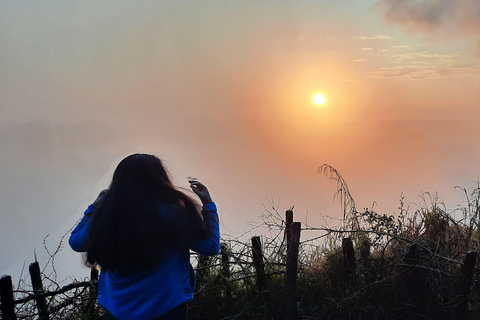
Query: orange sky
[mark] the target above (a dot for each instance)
(222, 91)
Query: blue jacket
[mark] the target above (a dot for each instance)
(151, 293)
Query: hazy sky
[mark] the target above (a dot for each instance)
(221, 90)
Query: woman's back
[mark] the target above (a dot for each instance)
(140, 235)
(157, 290)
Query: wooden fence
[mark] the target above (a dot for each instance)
(292, 236)
(40, 295)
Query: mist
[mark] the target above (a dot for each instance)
(221, 91)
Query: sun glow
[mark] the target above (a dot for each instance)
(319, 99)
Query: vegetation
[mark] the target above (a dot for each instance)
(407, 266)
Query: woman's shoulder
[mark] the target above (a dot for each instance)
(170, 211)
(168, 208)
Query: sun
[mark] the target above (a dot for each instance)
(319, 99)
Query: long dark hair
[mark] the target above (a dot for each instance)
(128, 231)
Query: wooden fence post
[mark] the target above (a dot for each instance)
(288, 223)
(413, 280)
(226, 276)
(257, 255)
(464, 285)
(201, 270)
(6, 297)
(291, 272)
(349, 263)
(93, 292)
(36, 277)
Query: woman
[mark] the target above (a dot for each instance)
(139, 233)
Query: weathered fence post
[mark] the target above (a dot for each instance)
(349, 263)
(291, 272)
(201, 270)
(226, 276)
(6, 297)
(257, 255)
(464, 285)
(288, 223)
(93, 292)
(413, 281)
(36, 277)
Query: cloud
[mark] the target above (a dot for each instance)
(424, 65)
(377, 37)
(437, 18)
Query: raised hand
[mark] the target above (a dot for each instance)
(201, 191)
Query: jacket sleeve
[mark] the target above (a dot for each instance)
(211, 245)
(80, 233)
